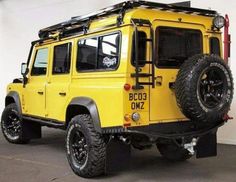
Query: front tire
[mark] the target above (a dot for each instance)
(86, 149)
(12, 126)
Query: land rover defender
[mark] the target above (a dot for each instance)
(140, 72)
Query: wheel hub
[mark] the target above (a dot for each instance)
(79, 148)
(12, 125)
(212, 87)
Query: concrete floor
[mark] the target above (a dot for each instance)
(45, 160)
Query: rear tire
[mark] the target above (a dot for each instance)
(11, 125)
(86, 148)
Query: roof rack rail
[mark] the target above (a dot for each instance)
(81, 23)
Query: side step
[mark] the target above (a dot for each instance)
(45, 122)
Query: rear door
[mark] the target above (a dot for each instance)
(57, 88)
(174, 43)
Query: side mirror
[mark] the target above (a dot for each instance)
(24, 72)
(23, 69)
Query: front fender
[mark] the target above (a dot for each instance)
(13, 97)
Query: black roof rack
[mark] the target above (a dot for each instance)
(81, 23)
(183, 4)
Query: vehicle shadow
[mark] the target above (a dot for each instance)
(52, 138)
(141, 165)
(138, 162)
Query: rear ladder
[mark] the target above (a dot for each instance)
(138, 68)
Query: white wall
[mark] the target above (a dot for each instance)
(21, 20)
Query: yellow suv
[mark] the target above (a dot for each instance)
(139, 72)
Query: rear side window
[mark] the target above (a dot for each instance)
(175, 45)
(62, 59)
(108, 54)
(214, 46)
(98, 53)
(142, 47)
(40, 62)
(87, 54)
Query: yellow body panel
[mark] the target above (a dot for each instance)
(34, 97)
(106, 88)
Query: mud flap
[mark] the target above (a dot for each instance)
(31, 130)
(207, 145)
(118, 156)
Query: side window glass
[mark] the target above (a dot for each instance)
(87, 54)
(62, 59)
(40, 62)
(108, 56)
(214, 46)
(142, 47)
(98, 53)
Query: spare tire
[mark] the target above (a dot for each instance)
(204, 88)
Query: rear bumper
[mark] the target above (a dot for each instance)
(168, 130)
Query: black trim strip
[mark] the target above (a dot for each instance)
(45, 122)
(113, 130)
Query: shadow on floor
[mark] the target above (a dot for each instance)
(45, 160)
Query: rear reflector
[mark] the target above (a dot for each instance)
(127, 87)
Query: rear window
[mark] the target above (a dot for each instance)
(175, 45)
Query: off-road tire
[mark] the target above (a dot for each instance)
(10, 110)
(189, 98)
(173, 152)
(94, 164)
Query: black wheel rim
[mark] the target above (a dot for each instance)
(212, 87)
(12, 125)
(79, 148)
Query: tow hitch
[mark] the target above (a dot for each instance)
(190, 146)
(204, 146)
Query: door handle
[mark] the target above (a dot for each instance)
(62, 93)
(159, 81)
(40, 92)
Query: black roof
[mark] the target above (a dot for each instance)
(82, 22)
